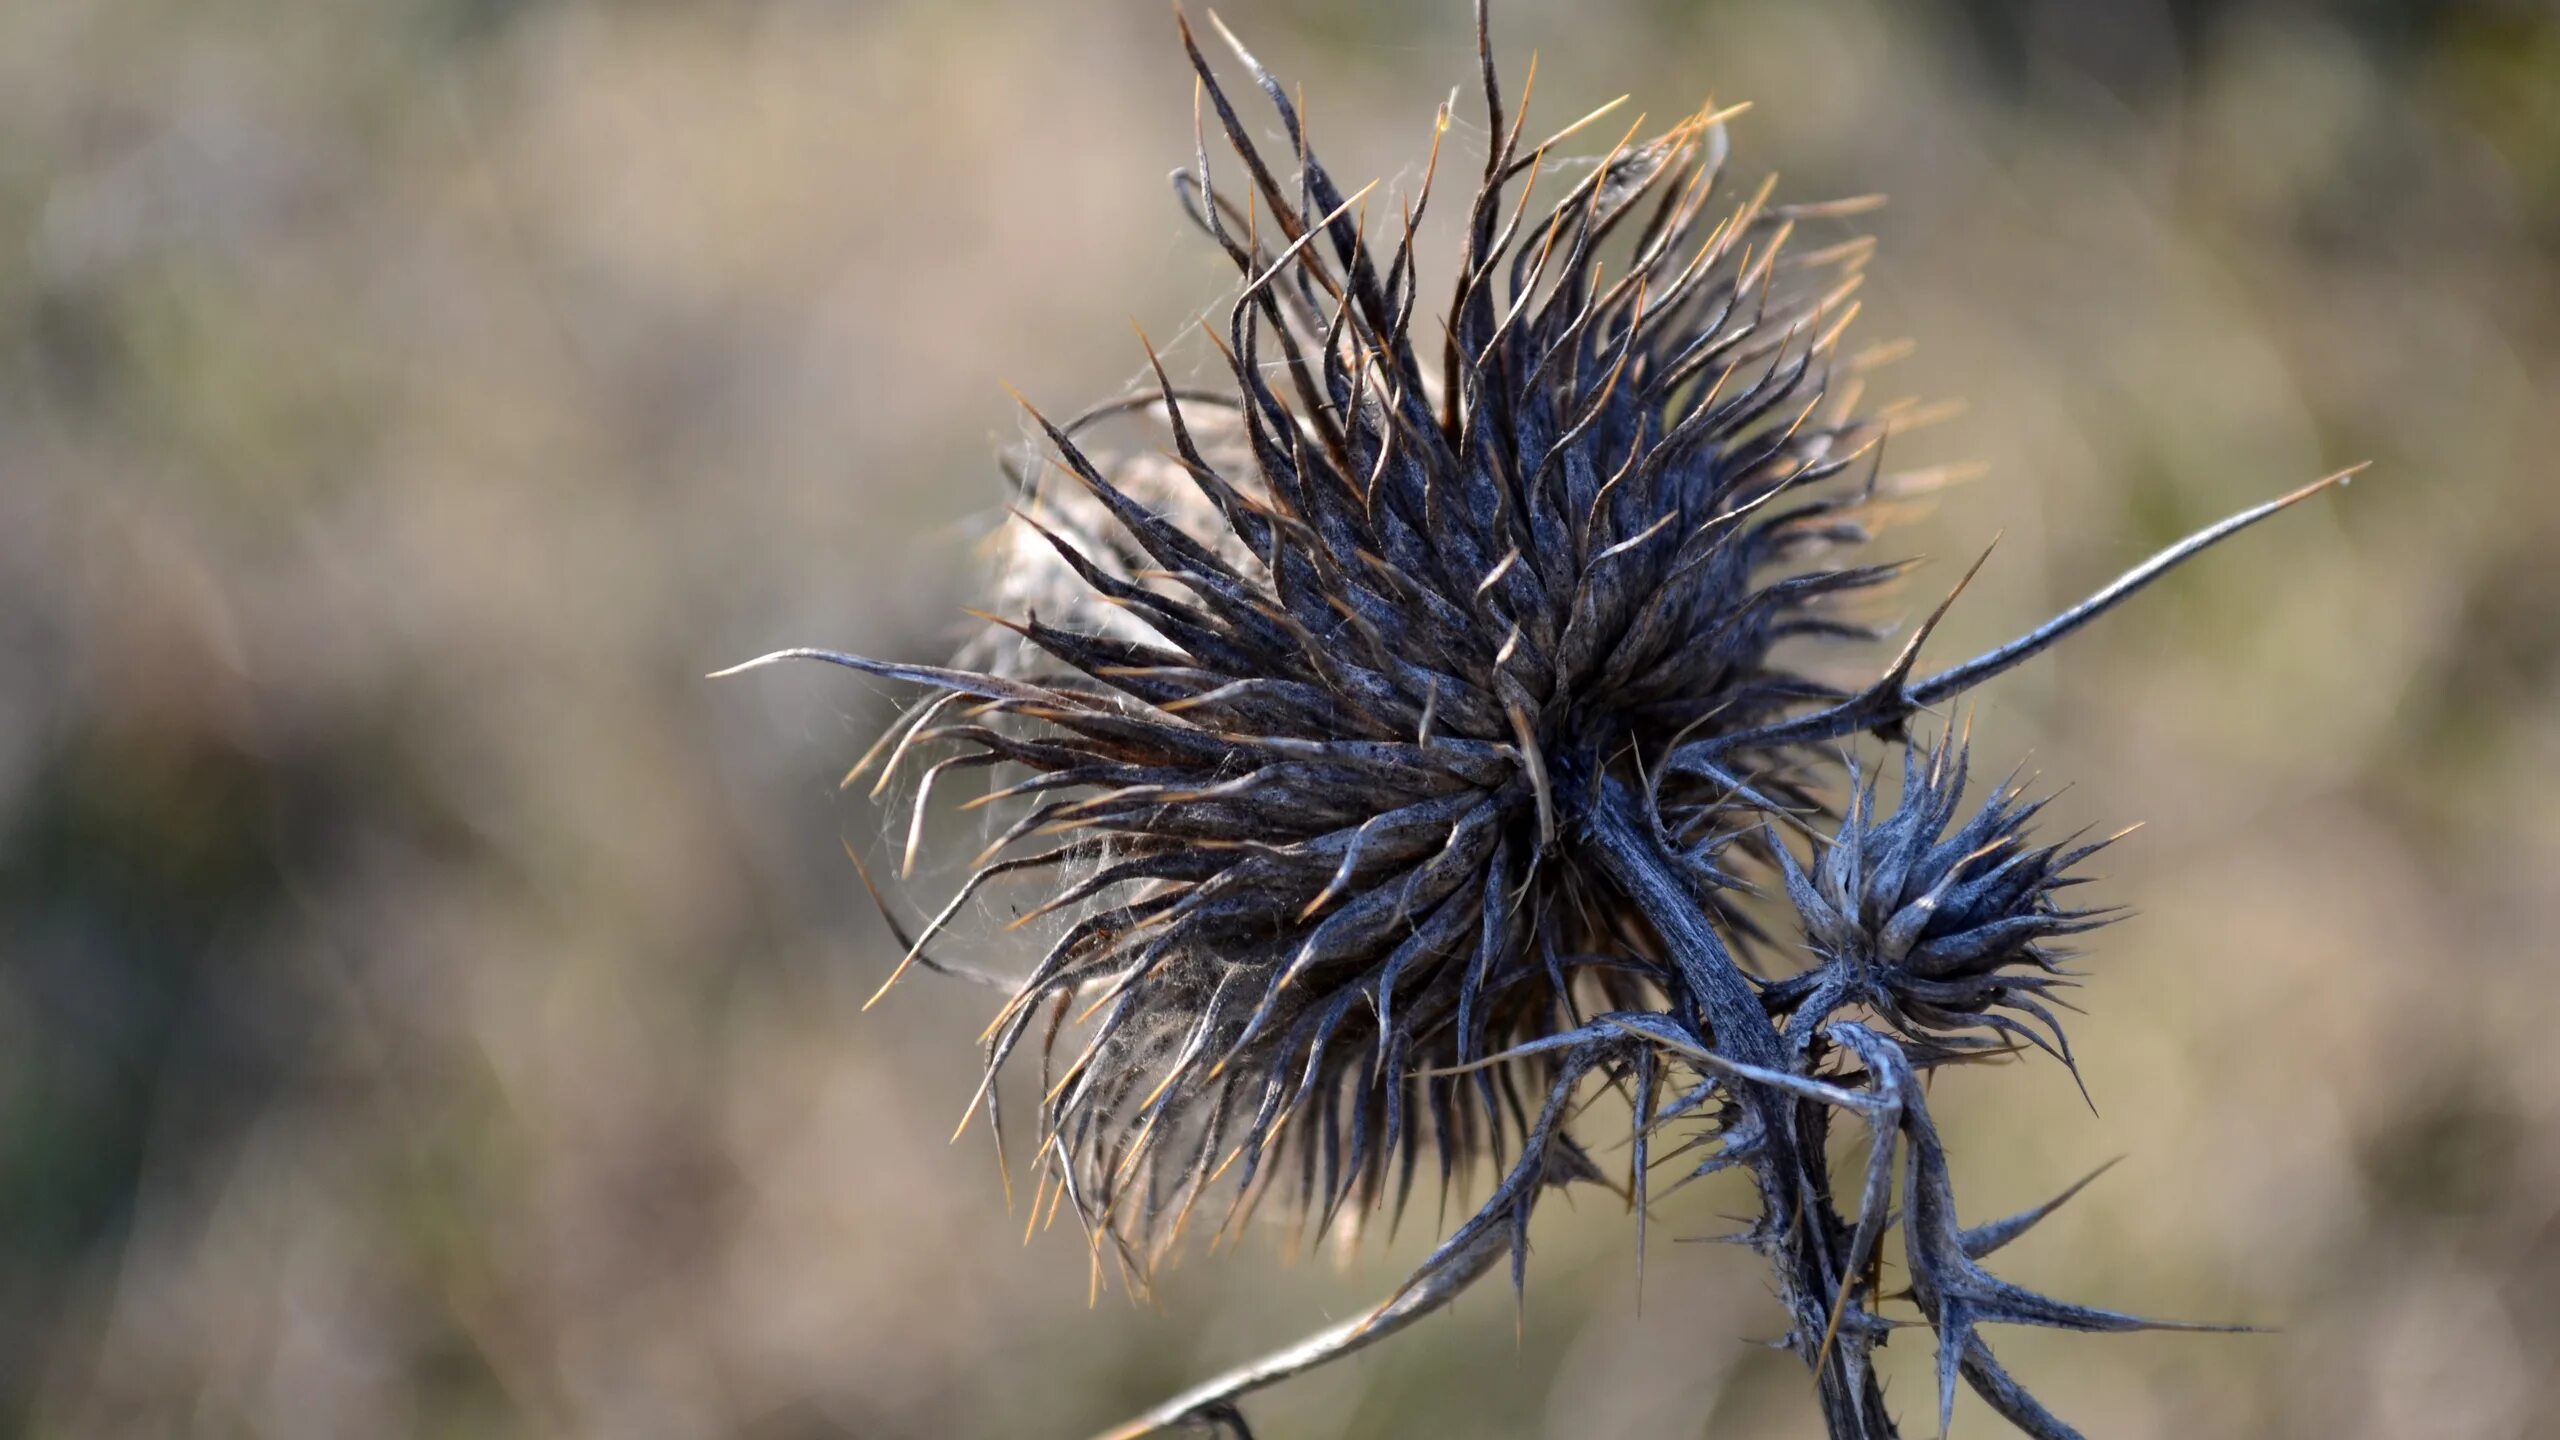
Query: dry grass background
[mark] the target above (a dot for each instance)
(427, 1008)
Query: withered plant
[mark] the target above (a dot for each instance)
(1404, 752)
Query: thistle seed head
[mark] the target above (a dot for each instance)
(1942, 929)
(1316, 692)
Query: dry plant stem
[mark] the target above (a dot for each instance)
(1799, 1225)
(1213, 1401)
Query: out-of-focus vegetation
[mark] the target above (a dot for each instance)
(427, 1007)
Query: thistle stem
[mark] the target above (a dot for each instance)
(1801, 1233)
(1438, 1283)
(1631, 852)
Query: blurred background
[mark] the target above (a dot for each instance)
(428, 1007)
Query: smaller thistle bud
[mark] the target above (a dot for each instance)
(1940, 930)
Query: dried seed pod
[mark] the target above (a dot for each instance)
(1940, 929)
(1308, 734)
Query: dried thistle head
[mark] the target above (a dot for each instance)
(1388, 744)
(1327, 689)
(1938, 929)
